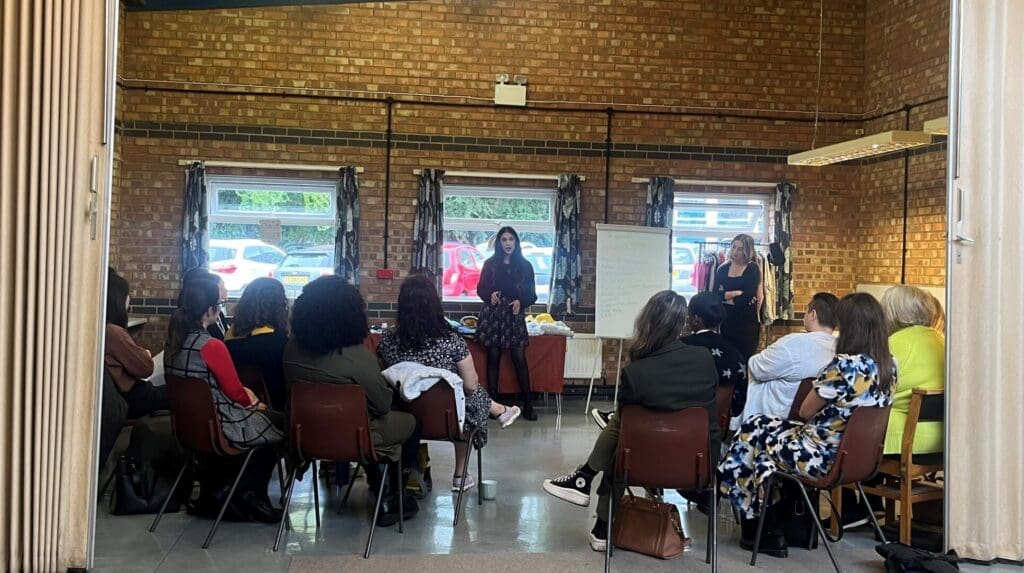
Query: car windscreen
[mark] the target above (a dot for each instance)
(325, 260)
(221, 254)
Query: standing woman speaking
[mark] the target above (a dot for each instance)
(739, 283)
(506, 286)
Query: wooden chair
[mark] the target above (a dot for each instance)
(911, 471)
(857, 459)
(197, 427)
(330, 422)
(435, 410)
(670, 450)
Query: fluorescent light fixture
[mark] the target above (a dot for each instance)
(937, 126)
(877, 144)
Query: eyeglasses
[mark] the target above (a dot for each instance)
(221, 304)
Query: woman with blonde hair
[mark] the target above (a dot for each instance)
(739, 283)
(663, 374)
(913, 317)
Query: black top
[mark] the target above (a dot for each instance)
(747, 282)
(732, 370)
(674, 377)
(264, 351)
(514, 281)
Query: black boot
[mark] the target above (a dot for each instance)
(771, 543)
(528, 412)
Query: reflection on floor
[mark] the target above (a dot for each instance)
(523, 520)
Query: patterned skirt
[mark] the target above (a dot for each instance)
(478, 407)
(499, 327)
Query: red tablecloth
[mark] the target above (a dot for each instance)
(545, 356)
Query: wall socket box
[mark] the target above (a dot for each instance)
(386, 274)
(505, 94)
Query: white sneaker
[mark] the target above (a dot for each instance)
(509, 415)
(601, 417)
(597, 544)
(457, 483)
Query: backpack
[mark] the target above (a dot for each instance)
(901, 558)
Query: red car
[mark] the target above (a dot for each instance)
(462, 265)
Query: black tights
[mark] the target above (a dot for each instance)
(522, 371)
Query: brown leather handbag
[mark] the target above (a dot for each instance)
(650, 527)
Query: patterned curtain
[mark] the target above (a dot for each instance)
(346, 238)
(566, 275)
(782, 203)
(194, 222)
(428, 228)
(660, 201)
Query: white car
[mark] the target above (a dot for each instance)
(239, 261)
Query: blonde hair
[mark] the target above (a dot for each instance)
(661, 321)
(907, 306)
(938, 314)
(747, 245)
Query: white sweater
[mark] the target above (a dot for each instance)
(775, 373)
(412, 379)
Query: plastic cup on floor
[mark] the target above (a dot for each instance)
(489, 488)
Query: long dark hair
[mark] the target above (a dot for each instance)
(661, 321)
(329, 315)
(117, 298)
(516, 259)
(263, 303)
(420, 317)
(195, 300)
(863, 330)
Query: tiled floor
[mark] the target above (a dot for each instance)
(522, 520)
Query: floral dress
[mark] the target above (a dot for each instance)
(767, 443)
(445, 352)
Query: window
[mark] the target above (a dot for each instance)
(473, 214)
(708, 221)
(255, 222)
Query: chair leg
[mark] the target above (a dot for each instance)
(107, 482)
(821, 530)
(713, 521)
(170, 494)
(906, 513)
(608, 527)
(760, 518)
(351, 481)
(871, 513)
(400, 488)
(231, 494)
(282, 469)
(316, 494)
(479, 477)
(462, 485)
(287, 504)
(376, 512)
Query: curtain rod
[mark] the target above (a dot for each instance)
(713, 183)
(279, 166)
(496, 175)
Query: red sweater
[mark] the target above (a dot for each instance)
(218, 360)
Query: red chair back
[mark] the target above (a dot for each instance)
(860, 450)
(664, 449)
(723, 406)
(330, 422)
(194, 418)
(435, 410)
(806, 385)
(252, 378)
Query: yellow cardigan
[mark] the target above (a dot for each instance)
(920, 363)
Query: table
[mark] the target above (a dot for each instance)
(135, 321)
(545, 357)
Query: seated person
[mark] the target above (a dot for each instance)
(862, 374)
(191, 352)
(920, 352)
(424, 336)
(128, 363)
(663, 374)
(328, 329)
(776, 372)
(219, 327)
(259, 332)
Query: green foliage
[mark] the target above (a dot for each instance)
(497, 208)
(274, 201)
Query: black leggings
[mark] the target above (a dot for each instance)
(522, 370)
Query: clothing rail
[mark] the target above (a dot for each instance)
(497, 175)
(712, 182)
(277, 166)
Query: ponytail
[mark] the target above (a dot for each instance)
(196, 299)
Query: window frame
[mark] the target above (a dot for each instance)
(217, 183)
(724, 235)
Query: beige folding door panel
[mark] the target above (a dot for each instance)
(985, 490)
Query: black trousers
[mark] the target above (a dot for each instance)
(144, 398)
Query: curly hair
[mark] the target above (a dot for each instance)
(420, 318)
(329, 315)
(262, 304)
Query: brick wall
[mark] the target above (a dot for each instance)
(728, 55)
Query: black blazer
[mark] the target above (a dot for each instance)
(674, 377)
(265, 351)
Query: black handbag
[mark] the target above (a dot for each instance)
(139, 489)
(901, 558)
(794, 518)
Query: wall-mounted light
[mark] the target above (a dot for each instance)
(877, 144)
(508, 94)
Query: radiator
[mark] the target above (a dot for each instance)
(583, 356)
